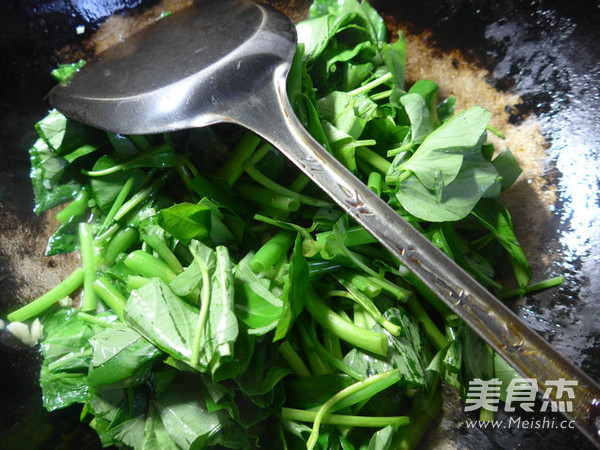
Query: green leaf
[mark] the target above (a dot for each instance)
(313, 391)
(121, 358)
(477, 356)
(50, 185)
(64, 135)
(67, 354)
(160, 316)
(64, 240)
(124, 147)
(419, 115)
(508, 168)
(453, 201)
(382, 439)
(105, 189)
(338, 109)
(441, 153)
(222, 327)
(497, 220)
(406, 352)
(186, 221)
(445, 109)
(256, 304)
(183, 412)
(394, 56)
(64, 72)
(295, 292)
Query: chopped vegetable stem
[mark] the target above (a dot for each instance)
(234, 167)
(75, 209)
(368, 340)
(41, 304)
(271, 251)
(110, 295)
(267, 197)
(373, 159)
(302, 415)
(277, 188)
(293, 359)
(203, 316)
(120, 243)
(86, 242)
(535, 287)
(123, 193)
(372, 84)
(149, 266)
(164, 252)
(343, 394)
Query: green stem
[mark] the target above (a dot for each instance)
(302, 415)
(186, 175)
(546, 284)
(293, 359)
(407, 146)
(68, 357)
(110, 295)
(123, 193)
(142, 195)
(148, 266)
(382, 95)
(203, 316)
(271, 251)
(259, 154)
(326, 356)
(120, 243)
(495, 131)
(352, 237)
(362, 283)
(299, 183)
(159, 246)
(41, 304)
(234, 167)
(359, 317)
(88, 262)
(391, 288)
(317, 364)
(343, 394)
(136, 282)
(367, 304)
(399, 178)
(266, 182)
(267, 197)
(375, 183)
(332, 344)
(106, 234)
(88, 318)
(372, 84)
(365, 339)
(75, 209)
(373, 159)
(118, 167)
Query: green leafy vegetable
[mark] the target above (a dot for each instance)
(228, 303)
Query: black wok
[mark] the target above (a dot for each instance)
(541, 57)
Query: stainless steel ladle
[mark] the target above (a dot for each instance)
(227, 61)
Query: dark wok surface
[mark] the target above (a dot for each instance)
(545, 51)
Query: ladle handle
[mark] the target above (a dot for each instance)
(522, 348)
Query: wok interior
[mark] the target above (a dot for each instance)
(542, 52)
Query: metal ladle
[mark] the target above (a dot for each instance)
(227, 61)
